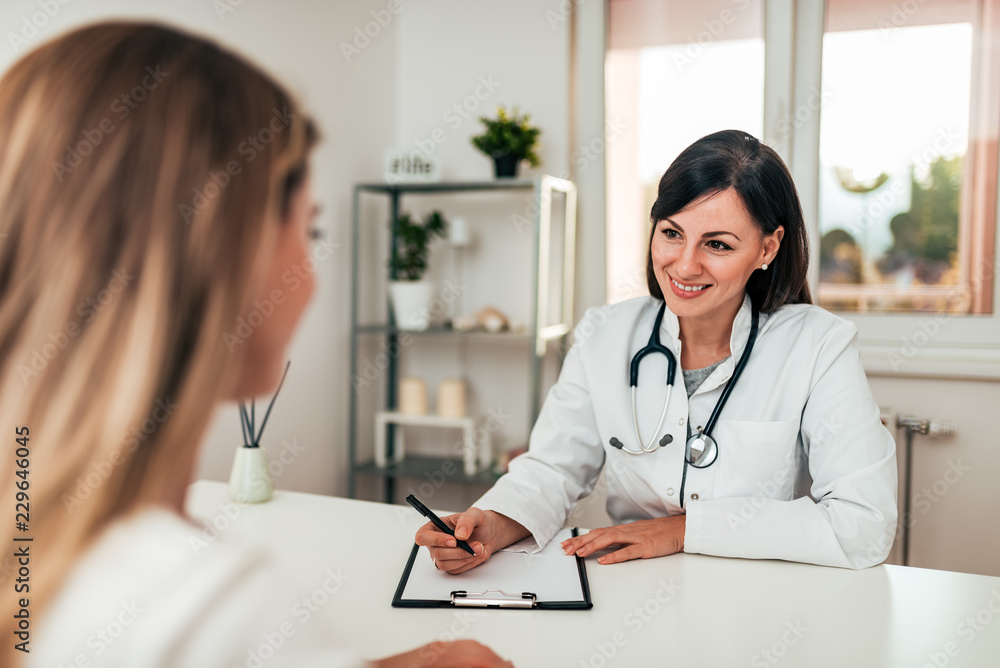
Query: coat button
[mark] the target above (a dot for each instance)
(681, 422)
(670, 491)
(694, 497)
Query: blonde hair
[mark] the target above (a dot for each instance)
(141, 169)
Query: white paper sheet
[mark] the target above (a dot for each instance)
(548, 573)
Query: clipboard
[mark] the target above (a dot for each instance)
(546, 580)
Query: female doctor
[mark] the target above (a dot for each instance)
(731, 416)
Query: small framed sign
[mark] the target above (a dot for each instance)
(409, 166)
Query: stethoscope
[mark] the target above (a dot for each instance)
(701, 449)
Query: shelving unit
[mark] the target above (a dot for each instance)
(539, 333)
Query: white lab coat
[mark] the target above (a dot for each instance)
(806, 471)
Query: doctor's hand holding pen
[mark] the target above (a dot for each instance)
(486, 532)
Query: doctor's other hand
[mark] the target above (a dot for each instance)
(643, 539)
(485, 531)
(456, 654)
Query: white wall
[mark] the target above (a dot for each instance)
(355, 104)
(396, 91)
(955, 501)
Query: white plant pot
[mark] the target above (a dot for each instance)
(411, 304)
(250, 480)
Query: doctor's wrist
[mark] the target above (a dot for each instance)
(505, 530)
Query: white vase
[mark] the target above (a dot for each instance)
(411, 304)
(250, 480)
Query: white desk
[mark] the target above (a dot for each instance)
(723, 612)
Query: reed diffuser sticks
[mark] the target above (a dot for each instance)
(248, 418)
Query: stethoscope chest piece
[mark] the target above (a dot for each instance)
(701, 450)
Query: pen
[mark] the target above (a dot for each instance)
(429, 514)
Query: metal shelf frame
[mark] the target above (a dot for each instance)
(540, 332)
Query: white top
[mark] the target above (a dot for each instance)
(156, 590)
(802, 408)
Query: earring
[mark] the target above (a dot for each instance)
(764, 266)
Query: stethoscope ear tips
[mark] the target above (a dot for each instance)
(666, 440)
(615, 443)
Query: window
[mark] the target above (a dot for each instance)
(675, 71)
(905, 220)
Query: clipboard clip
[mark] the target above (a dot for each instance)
(492, 598)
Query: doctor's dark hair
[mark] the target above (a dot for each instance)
(735, 159)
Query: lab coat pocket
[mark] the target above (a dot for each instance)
(756, 459)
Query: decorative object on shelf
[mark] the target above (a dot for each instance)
(409, 166)
(477, 451)
(250, 480)
(451, 398)
(492, 320)
(488, 318)
(413, 396)
(459, 239)
(411, 296)
(458, 233)
(464, 323)
(509, 139)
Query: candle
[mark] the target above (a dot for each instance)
(451, 398)
(458, 233)
(413, 396)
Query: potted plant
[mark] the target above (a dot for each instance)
(508, 139)
(411, 295)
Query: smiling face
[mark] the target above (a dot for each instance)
(703, 255)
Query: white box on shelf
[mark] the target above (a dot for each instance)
(474, 459)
